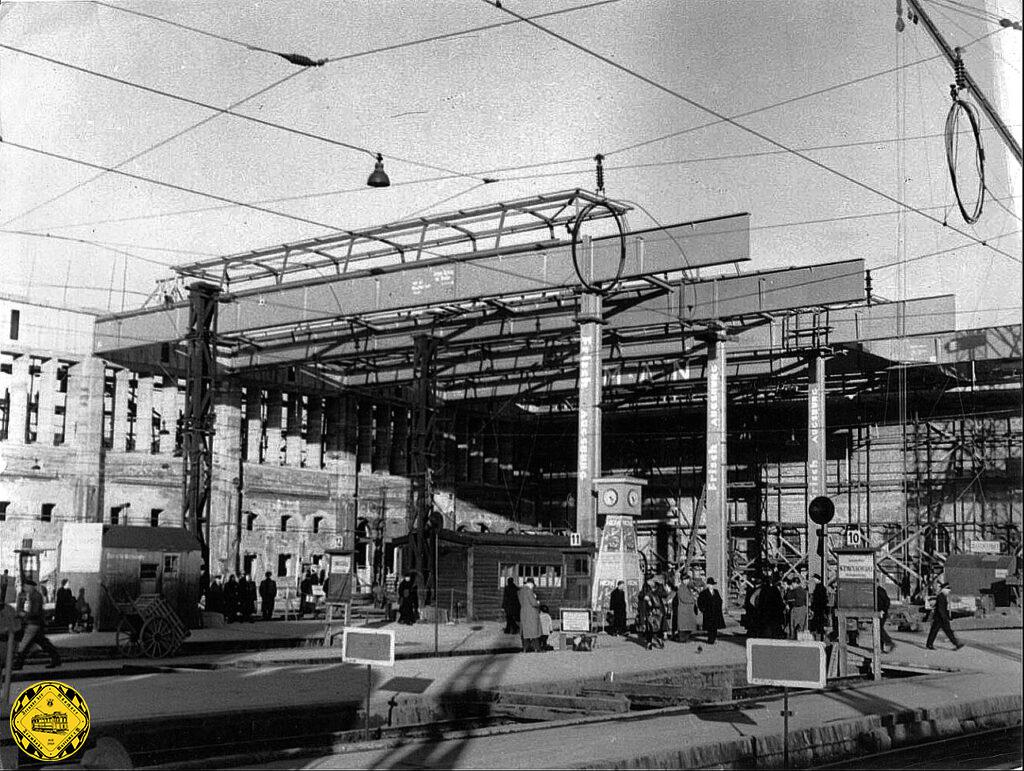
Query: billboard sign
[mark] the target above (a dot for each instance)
(790, 663)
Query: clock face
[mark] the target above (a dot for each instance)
(610, 497)
(633, 498)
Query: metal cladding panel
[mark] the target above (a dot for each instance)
(826, 284)
(953, 347)
(152, 326)
(891, 319)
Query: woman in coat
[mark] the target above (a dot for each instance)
(686, 615)
(510, 604)
(231, 599)
(408, 601)
(64, 612)
(529, 616)
(650, 614)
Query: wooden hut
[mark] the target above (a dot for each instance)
(474, 568)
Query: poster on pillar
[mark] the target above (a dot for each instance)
(618, 503)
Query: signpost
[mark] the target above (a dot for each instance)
(339, 587)
(856, 597)
(373, 647)
(786, 663)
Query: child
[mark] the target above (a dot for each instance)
(545, 628)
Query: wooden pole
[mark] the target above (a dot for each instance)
(369, 685)
(785, 726)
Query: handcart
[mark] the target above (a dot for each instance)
(147, 626)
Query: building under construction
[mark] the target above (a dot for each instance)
(484, 366)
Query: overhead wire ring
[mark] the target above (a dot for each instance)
(596, 287)
(952, 119)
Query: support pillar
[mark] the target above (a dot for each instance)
(816, 459)
(21, 384)
(382, 439)
(227, 483)
(716, 477)
(253, 425)
(47, 401)
(168, 415)
(293, 433)
(475, 471)
(144, 415)
(400, 441)
(461, 448)
(120, 417)
(364, 441)
(84, 427)
(490, 444)
(588, 435)
(275, 434)
(314, 432)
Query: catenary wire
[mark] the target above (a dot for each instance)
(754, 132)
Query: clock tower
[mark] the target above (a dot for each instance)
(618, 504)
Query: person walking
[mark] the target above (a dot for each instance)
(709, 603)
(650, 614)
(882, 605)
(796, 605)
(83, 613)
(268, 594)
(408, 601)
(617, 606)
(5, 581)
(244, 610)
(529, 616)
(30, 608)
(306, 592)
(64, 612)
(940, 619)
(686, 611)
(510, 604)
(819, 620)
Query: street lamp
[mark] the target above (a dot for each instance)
(378, 178)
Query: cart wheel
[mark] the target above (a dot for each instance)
(158, 638)
(126, 639)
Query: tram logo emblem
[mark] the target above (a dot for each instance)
(50, 721)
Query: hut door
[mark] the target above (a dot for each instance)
(149, 577)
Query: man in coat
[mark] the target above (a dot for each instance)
(882, 604)
(408, 601)
(510, 604)
(268, 594)
(529, 616)
(940, 620)
(796, 604)
(686, 616)
(709, 603)
(30, 608)
(617, 606)
(819, 621)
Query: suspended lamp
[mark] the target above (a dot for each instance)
(378, 178)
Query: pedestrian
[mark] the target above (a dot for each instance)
(545, 629)
(215, 596)
(771, 610)
(650, 614)
(408, 601)
(686, 615)
(83, 613)
(30, 608)
(709, 603)
(796, 608)
(510, 604)
(882, 605)
(667, 595)
(306, 594)
(529, 616)
(231, 599)
(64, 610)
(5, 581)
(819, 608)
(751, 618)
(940, 619)
(268, 594)
(247, 598)
(617, 606)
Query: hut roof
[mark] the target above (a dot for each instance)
(173, 539)
(470, 538)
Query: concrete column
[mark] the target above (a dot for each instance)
(84, 422)
(254, 425)
(475, 471)
(144, 415)
(168, 414)
(275, 436)
(382, 438)
(47, 401)
(21, 383)
(715, 480)
(337, 454)
(588, 428)
(400, 441)
(293, 434)
(226, 480)
(364, 435)
(816, 459)
(314, 432)
(120, 416)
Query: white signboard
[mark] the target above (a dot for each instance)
(375, 647)
(791, 663)
(81, 547)
(856, 567)
(985, 547)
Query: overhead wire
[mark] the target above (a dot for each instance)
(754, 132)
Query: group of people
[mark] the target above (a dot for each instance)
(235, 599)
(70, 612)
(526, 616)
(787, 607)
(667, 607)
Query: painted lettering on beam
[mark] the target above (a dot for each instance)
(714, 425)
(586, 384)
(815, 434)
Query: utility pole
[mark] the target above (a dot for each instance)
(952, 55)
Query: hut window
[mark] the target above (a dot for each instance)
(545, 576)
(581, 566)
(316, 524)
(284, 523)
(3, 510)
(170, 563)
(147, 571)
(46, 512)
(154, 517)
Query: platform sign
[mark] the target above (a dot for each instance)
(787, 663)
(339, 585)
(985, 547)
(575, 620)
(373, 647)
(856, 580)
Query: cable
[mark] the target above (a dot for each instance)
(952, 118)
(751, 131)
(185, 27)
(97, 244)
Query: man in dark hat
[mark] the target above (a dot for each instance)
(940, 619)
(709, 604)
(30, 608)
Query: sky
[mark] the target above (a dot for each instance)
(484, 104)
